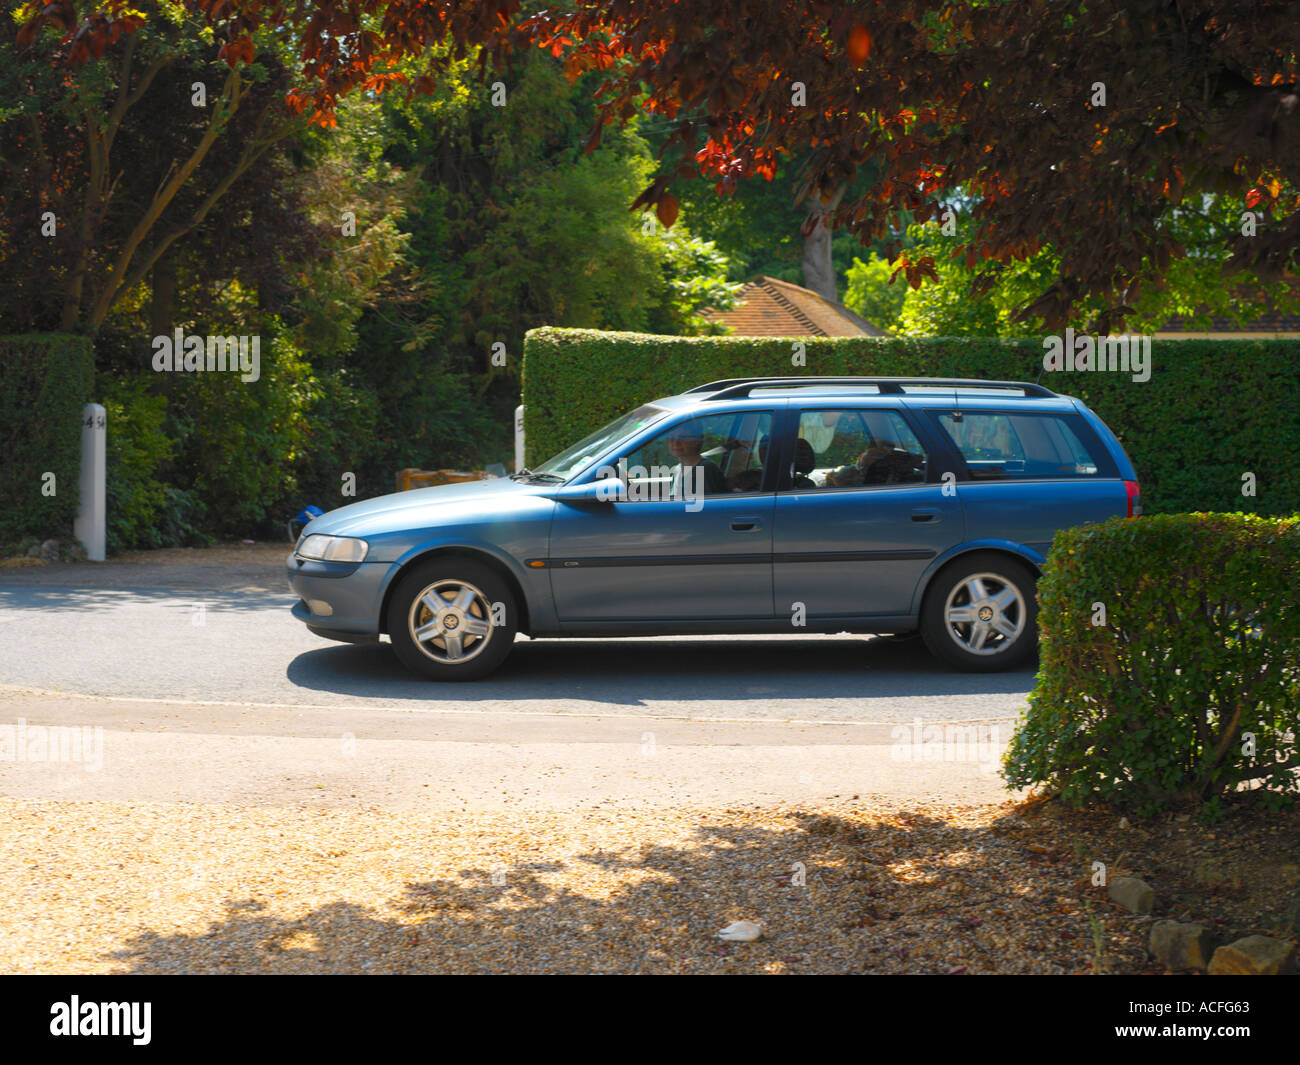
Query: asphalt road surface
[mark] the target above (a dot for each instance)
(206, 687)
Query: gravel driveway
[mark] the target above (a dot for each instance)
(848, 887)
(270, 802)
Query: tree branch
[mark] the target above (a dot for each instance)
(232, 93)
(127, 101)
(254, 148)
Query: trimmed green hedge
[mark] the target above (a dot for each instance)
(1164, 642)
(1211, 412)
(44, 382)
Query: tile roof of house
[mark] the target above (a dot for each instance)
(771, 308)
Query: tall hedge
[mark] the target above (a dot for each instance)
(44, 382)
(1211, 412)
(1170, 663)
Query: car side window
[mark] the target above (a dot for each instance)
(999, 446)
(856, 448)
(714, 454)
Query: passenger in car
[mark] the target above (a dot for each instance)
(751, 480)
(848, 476)
(887, 463)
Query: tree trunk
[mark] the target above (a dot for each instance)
(818, 268)
(163, 299)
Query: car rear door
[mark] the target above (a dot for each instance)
(852, 550)
(1026, 473)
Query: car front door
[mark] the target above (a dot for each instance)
(683, 541)
(861, 517)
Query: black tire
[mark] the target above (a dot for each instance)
(472, 639)
(1009, 606)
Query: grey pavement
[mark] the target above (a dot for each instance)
(205, 688)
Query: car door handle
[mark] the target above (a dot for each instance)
(744, 524)
(925, 514)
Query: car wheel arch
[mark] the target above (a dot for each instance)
(457, 551)
(1012, 551)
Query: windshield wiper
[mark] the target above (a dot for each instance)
(528, 475)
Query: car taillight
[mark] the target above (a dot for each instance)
(1134, 491)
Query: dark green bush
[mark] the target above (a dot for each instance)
(340, 436)
(137, 449)
(239, 443)
(1150, 705)
(44, 382)
(1211, 412)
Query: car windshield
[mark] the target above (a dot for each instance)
(572, 459)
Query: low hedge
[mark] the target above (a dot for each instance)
(44, 382)
(1164, 642)
(138, 448)
(1211, 412)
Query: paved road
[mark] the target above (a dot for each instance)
(207, 688)
(244, 647)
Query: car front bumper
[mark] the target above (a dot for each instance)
(339, 600)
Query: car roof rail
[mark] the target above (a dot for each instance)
(739, 387)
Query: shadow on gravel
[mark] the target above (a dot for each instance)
(656, 908)
(942, 891)
(679, 669)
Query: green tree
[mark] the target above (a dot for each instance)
(987, 299)
(875, 293)
(128, 153)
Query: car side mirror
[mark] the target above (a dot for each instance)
(603, 491)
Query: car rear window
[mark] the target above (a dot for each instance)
(1003, 446)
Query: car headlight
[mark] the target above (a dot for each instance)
(333, 548)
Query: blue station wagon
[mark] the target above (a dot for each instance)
(756, 505)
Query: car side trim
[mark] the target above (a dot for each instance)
(727, 560)
(862, 623)
(851, 556)
(648, 560)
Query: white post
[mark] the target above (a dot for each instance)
(92, 517)
(519, 438)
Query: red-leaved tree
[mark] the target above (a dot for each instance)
(1079, 125)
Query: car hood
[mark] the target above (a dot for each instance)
(421, 506)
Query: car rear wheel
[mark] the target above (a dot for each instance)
(981, 614)
(452, 619)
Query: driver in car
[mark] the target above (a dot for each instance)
(685, 442)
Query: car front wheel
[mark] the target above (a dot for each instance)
(981, 614)
(452, 619)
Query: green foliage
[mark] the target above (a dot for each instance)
(758, 225)
(44, 382)
(1197, 654)
(124, 168)
(428, 413)
(138, 448)
(340, 435)
(239, 443)
(1211, 412)
(695, 272)
(871, 295)
(362, 198)
(512, 225)
(986, 299)
(565, 248)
